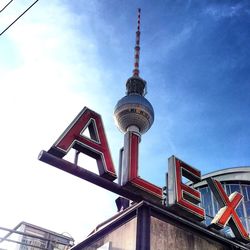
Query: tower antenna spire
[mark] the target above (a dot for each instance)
(137, 45)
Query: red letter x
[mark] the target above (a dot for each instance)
(227, 213)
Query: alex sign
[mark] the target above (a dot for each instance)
(181, 198)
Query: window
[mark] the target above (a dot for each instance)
(246, 192)
(206, 201)
(247, 204)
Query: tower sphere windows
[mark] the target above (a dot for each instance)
(134, 110)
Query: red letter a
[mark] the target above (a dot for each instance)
(96, 146)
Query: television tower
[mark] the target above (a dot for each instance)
(133, 113)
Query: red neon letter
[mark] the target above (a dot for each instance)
(227, 213)
(96, 146)
(182, 198)
(130, 164)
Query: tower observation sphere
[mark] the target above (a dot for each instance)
(134, 110)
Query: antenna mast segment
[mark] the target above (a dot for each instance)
(137, 46)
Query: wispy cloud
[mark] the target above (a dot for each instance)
(169, 42)
(222, 10)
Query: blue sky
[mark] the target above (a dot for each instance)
(64, 55)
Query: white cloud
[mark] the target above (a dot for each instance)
(40, 96)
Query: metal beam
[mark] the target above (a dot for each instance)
(23, 244)
(91, 177)
(11, 231)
